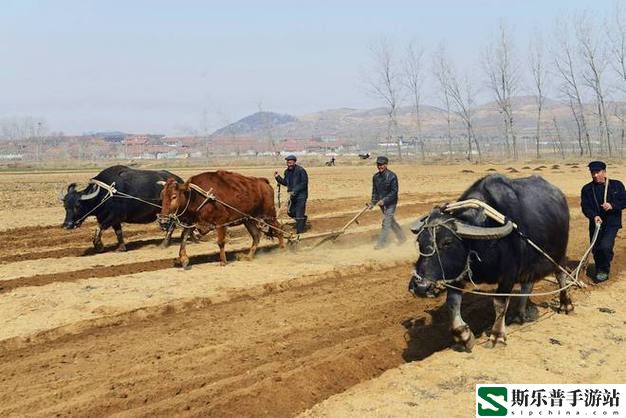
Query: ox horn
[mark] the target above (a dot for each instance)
(161, 183)
(91, 195)
(482, 232)
(419, 224)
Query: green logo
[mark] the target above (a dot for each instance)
(491, 401)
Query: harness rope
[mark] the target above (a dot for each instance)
(467, 270)
(577, 271)
(112, 192)
(209, 196)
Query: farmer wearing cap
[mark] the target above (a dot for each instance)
(602, 201)
(297, 182)
(385, 195)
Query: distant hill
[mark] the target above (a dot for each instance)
(360, 125)
(369, 126)
(259, 121)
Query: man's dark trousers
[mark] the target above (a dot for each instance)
(297, 208)
(603, 250)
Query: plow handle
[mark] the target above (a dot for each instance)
(354, 218)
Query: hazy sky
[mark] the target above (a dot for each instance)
(169, 66)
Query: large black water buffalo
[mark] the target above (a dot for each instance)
(113, 210)
(459, 246)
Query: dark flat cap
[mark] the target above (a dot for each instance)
(596, 166)
(291, 157)
(382, 160)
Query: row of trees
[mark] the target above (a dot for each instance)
(583, 65)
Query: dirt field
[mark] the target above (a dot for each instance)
(330, 331)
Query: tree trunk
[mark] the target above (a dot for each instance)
(538, 134)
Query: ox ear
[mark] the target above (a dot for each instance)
(482, 232)
(418, 225)
(63, 193)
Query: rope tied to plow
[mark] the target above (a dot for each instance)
(500, 218)
(112, 192)
(210, 196)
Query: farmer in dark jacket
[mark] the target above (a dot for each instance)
(602, 201)
(297, 182)
(385, 195)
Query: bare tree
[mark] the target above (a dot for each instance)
(414, 80)
(21, 127)
(441, 72)
(559, 140)
(579, 127)
(386, 85)
(618, 112)
(595, 61)
(616, 32)
(567, 69)
(205, 131)
(39, 134)
(503, 79)
(462, 98)
(539, 72)
(268, 129)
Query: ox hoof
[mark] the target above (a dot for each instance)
(566, 308)
(464, 339)
(496, 338)
(164, 245)
(465, 346)
(244, 257)
(531, 314)
(184, 263)
(99, 248)
(121, 249)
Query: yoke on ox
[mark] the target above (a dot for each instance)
(118, 195)
(464, 244)
(216, 200)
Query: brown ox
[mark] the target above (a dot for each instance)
(250, 195)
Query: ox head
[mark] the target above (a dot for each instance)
(444, 243)
(173, 201)
(78, 204)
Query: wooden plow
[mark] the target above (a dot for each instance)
(333, 235)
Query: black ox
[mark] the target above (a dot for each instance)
(111, 211)
(458, 246)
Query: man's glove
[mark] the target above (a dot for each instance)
(291, 194)
(370, 205)
(380, 203)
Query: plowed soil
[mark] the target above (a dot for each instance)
(132, 334)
